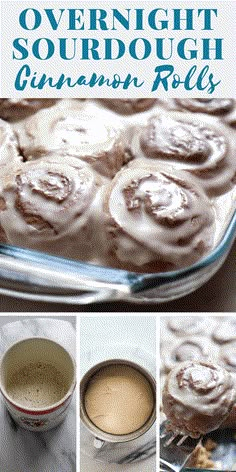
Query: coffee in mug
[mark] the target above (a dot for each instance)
(118, 400)
(37, 381)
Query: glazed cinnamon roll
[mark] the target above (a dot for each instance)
(193, 348)
(73, 132)
(52, 206)
(214, 106)
(9, 152)
(198, 397)
(227, 357)
(15, 109)
(129, 106)
(197, 144)
(157, 219)
(225, 331)
(189, 325)
(223, 108)
(166, 334)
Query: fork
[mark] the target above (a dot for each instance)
(175, 450)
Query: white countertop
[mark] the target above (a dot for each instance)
(217, 295)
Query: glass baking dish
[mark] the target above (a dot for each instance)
(36, 276)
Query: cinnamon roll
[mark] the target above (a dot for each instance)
(225, 331)
(199, 145)
(130, 105)
(189, 325)
(198, 397)
(214, 106)
(157, 219)
(9, 152)
(166, 334)
(227, 356)
(223, 108)
(73, 132)
(52, 206)
(193, 348)
(14, 109)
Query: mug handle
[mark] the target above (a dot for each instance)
(98, 443)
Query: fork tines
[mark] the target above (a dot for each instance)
(175, 449)
(186, 443)
(171, 439)
(175, 436)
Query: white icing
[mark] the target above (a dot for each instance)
(9, 153)
(74, 132)
(107, 141)
(52, 205)
(193, 142)
(174, 217)
(200, 393)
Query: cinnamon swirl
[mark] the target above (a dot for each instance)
(225, 331)
(157, 219)
(193, 348)
(196, 144)
(198, 397)
(52, 206)
(74, 132)
(227, 356)
(183, 326)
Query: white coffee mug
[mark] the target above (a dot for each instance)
(52, 375)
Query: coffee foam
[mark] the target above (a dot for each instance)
(36, 385)
(119, 399)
